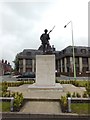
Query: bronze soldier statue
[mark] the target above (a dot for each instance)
(45, 40)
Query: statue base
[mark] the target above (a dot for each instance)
(45, 73)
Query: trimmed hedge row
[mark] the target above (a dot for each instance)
(76, 94)
(74, 82)
(15, 84)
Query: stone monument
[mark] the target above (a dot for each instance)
(45, 69)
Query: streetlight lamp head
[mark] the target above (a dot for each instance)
(65, 26)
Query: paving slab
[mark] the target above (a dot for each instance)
(42, 107)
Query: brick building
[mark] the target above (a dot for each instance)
(4, 67)
(1, 68)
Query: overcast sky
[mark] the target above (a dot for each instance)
(23, 21)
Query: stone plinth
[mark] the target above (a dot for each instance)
(45, 73)
(45, 70)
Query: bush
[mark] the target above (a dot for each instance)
(18, 100)
(73, 95)
(6, 94)
(61, 82)
(85, 95)
(68, 94)
(77, 84)
(4, 86)
(12, 84)
(78, 95)
(57, 81)
(68, 82)
(73, 82)
(12, 94)
(64, 103)
(88, 89)
(86, 84)
(0, 93)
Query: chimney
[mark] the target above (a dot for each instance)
(2, 61)
(5, 61)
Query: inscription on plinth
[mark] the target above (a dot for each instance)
(45, 70)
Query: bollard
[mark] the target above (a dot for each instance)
(12, 101)
(69, 104)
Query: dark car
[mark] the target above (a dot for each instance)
(7, 73)
(27, 75)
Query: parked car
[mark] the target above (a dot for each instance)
(27, 75)
(7, 73)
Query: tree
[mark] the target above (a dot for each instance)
(16, 63)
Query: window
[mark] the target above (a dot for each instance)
(29, 62)
(75, 50)
(89, 51)
(83, 51)
(28, 53)
(68, 61)
(20, 62)
(76, 60)
(85, 60)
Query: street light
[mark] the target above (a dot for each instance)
(73, 49)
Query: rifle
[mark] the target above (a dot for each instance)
(52, 29)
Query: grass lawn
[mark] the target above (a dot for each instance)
(80, 108)
(4, 106)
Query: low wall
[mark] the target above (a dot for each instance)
(25, 116)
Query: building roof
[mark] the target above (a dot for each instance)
(29, 53)
(82, 51)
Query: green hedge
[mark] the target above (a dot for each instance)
(77, 83)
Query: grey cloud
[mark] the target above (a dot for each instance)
(23, 17)
(29, 10)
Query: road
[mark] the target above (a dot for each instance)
(7, 78)
(12, 78)
(62, 77)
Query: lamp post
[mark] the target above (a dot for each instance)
(74, 67)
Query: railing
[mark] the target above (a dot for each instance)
(76, 99)
(8, 98)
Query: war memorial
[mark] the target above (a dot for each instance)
(42, 98)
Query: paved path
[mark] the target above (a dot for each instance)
(41, 107)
